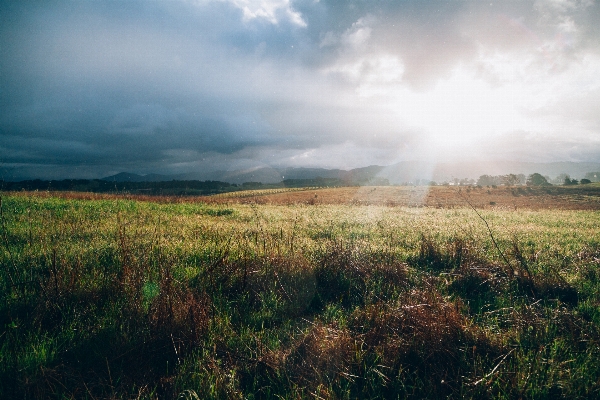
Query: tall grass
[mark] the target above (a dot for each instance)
(113, 298)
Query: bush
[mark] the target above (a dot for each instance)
(537, 180)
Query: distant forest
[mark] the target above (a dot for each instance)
(166, 188)
(202, 188)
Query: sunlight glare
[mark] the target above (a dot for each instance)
(462, 110)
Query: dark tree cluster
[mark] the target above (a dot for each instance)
(536, 179)
(497, 180)
(592, 177)
(172, 188)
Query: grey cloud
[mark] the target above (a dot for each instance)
(155, 86)
(432, 38)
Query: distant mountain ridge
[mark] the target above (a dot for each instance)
(262, 175)
(129, 177)
(403, 172)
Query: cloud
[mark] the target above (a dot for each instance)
(157, 86)
(271, 10)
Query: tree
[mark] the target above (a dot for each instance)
(510, 180)
(488, 180)
(560, 179)
(593, 176)
(536, 179)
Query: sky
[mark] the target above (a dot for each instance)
(92, 88)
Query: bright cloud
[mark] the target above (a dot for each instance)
(270, 10)
(153, 86)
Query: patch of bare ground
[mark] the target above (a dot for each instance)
(508, 198)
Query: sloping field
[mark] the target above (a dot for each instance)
(582, 197)
(558, 197)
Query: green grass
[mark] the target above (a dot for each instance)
(127, 299)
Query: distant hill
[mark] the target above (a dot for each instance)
(129, 177)
(202, 183)
(403, 172)
(312, 173)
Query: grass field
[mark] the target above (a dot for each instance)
(582, 197)
(377, 292)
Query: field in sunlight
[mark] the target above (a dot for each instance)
(330, 293)
(583, 197)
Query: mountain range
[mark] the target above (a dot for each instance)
(403, 172)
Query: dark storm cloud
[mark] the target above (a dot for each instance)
(87, 86)
(156, 86)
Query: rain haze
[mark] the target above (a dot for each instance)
(93, 88)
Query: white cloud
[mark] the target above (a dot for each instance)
(372, 75)
(354, 38)
(357, 36)
(270, 10)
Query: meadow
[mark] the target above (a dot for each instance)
(322, 293)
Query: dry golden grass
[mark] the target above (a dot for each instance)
(507, 198)
(499, 198)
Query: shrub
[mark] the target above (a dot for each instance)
(536, 179)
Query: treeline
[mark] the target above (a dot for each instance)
(496, 180)
(176, 187)
(173, 188)
(201, 188)
(535, 180)
(167, 188)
